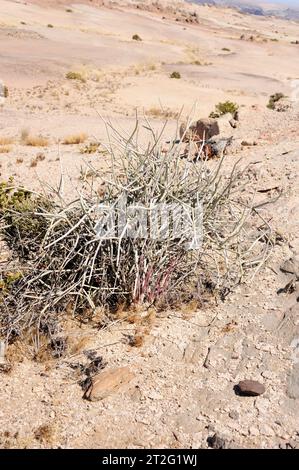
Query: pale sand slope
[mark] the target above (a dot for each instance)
(174, 400)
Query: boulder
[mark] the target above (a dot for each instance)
(203, 129)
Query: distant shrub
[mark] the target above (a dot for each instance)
(136, 37)
(5, 91)
(90, 148)
(50, 25)
(175, 75)
(224, 108)
(75, 76)
(36, 141)
(75, 139)
(69, 10)
(274, 99)
(226, 49)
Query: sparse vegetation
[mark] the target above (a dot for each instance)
(67, 263)
(6, 140)
(274, 99)
(136, 37)
(69, 10)
(92, 147)
(75, 139)
(175, 74)
(50, 25)
(5, 91)
(36, 141)
(75, 76)
(226, 49)
(224, 108)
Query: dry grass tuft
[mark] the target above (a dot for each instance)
(5, 148)
(36, 141)
(6, 140)
(75, 139)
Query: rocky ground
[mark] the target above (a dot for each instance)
(176, 387)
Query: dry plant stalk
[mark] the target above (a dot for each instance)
(65, 262)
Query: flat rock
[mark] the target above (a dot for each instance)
(250, 388)
(108, 382)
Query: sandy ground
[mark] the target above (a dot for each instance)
(173, 401)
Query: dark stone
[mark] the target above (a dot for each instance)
(249, 388)
(216, 442)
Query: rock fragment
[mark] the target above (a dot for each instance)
(107, 383)
(250, 388)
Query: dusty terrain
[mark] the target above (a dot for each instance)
(182, 392)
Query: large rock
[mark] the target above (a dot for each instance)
(108, 382)
(203, 129)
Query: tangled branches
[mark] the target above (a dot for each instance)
(160, 226)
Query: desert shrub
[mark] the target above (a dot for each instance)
(136, 37)
(5, 90)
(50, 25)
(24, 227)
(75, 139)
(69, 10)
(175, 75)
(72, 253)
(226, 49)
(224, 108)
(274, 99)
(75, 76)
(36, 141)
(90, 148)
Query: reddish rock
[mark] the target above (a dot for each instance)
(250, 388)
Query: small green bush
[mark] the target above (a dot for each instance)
(175, 75)
(273, 99)
(21, 210)
(224, 108)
